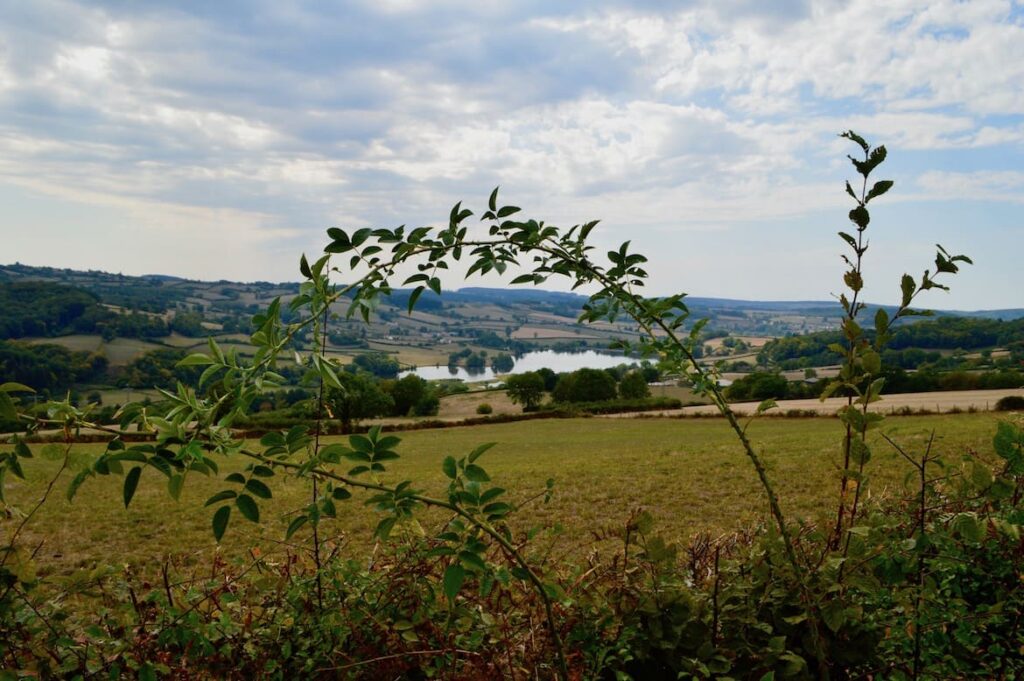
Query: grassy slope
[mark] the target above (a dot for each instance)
(689, 473)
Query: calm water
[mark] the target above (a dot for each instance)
(531, 361)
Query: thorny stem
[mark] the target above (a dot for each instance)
(851, 315)
(316, 452)
(922, 514)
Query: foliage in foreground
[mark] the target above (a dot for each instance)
(922, 586)
(933, 577)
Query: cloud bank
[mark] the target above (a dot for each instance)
(220, 139)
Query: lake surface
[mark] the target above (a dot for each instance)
(531, 361)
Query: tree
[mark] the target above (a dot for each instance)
(502, 363)
(378, 364)
(188, 324)
(550, 378)
(633, 386)
(359, 398)
(585, 385)
(525, 389)
(407, 392)
(759, 385)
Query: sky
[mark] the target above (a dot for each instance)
(219, 140)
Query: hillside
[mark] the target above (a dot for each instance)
(69, 328)
(226, 302)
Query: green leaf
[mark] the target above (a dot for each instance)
(969, 527)
(147, 672)
(174, 485)
(195, 359)
(294, 526)
(131, 481)
(478, 452)
(221, 496)
(881, 321)
(472, 561)
(765, 406)
(1008, 442)
(220, 522)
(860, 453)
(851, 135)
(878, 189)
(259, 488)
(8, 411)
(340, 494)
(247, 506)
(474, 473)
(384, 527)
(76, 482)
(872, 362)
(860, 217)
(834, 614)
(416, 293)
(847, 238)
(13, 387)
(448, 466)
(491, 494)
(908, 287)
(454, 576)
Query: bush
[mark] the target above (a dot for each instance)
(483, 409)
(1010, 403)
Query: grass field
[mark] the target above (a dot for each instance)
(463, 405)
(689, 473)
(119, 352)
(939, 402)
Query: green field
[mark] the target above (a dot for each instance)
(689, 474)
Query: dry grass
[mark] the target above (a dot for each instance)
(939, 402)
(125, 395)
(119, 352)
(689, 473)
(548, 332)
(753, 341)
(75, 343)
(463, 406)
(408, 355)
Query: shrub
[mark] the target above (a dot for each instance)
(484, 408)
(1010, 403)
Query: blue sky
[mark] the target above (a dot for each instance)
(220, 140)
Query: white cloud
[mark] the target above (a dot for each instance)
(694, 118)
(1007, 185)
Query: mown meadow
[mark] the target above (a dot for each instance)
(689, 474)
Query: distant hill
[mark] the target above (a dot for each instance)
(226, 302)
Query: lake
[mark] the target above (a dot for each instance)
(531, 361)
